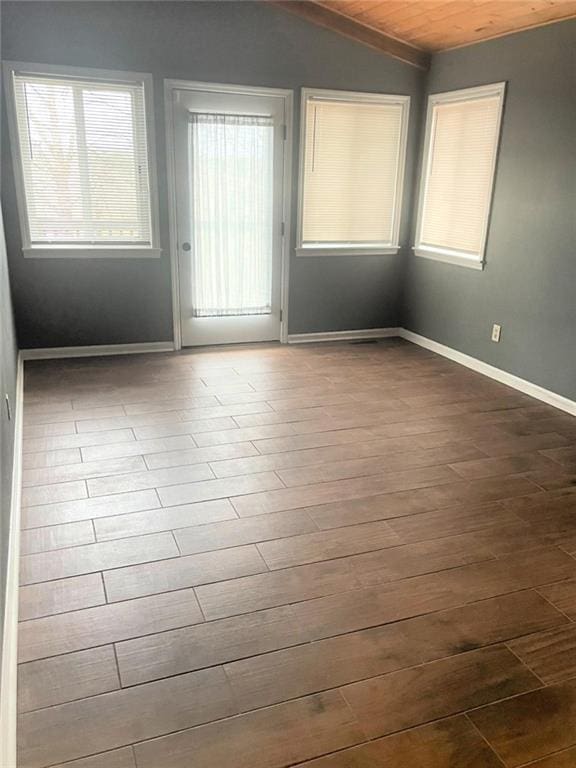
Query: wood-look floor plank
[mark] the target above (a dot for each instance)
(46, 406)
(565, 456)
(305, 457)
(451, 743)
(190, 493)
(81, 471)
(279, 417)
(323, 400)
(89, 509)
(513, 446)
(75, 442)
(267, 590)
(122, 717)
(451, 521)
(204, 645)
(49, 430)
(482, 421)
(338, 470)
(82, 414)
(564, 759)
(562, 596)
(401, 562)
(136, 448)
(208, 431)
(338, 514)
(177, 404)
(60, 596)
(164, 519)
(51, 458)
(311, 495)
(74, 561)
(141, 481)
(481, 491)
(51, 494)
(214, 453)
(494, 620)
(128, 422)
(531, 726)
(294, 672)
(541, 505)
(324, 545)
(269, 738)
(238, 409)
(117, 758)
(48, 682)
(551, 655)
(180, 572)
(505, 465)
(438, 689)
(511, 538)
(89, 628)
(279, 444)
(56, 537)
(249, 530)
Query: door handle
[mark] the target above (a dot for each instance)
(186, 247)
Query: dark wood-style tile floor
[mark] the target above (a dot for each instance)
(333, 556)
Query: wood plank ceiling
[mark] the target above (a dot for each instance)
(413, 29)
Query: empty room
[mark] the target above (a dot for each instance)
(288, 384)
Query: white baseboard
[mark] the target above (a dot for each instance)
(8, 672)
(369, 333)
(527, 387)
(54, 353)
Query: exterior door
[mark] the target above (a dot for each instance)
(229, 157)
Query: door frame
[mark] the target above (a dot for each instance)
(192, 85)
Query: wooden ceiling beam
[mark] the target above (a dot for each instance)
(344, 25)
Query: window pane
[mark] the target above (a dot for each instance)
(458, 187)
(50, 151)
(84, 160)
(232, 214)
(351, 162)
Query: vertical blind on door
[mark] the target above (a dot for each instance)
(83, 149)
(351, 161)
(232, 191)
(458, 175)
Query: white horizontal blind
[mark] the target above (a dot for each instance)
(351, 161)
(84, 157)
(460, 164)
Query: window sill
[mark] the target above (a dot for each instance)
(308, 251)
(90, 252)
(454, 258)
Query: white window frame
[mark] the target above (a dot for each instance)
(369, 98)
(73, 250)
(449, 255)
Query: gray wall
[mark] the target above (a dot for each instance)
(8, 357)
(72, 302)
(529, 283)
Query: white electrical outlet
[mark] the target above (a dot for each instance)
(496, 331)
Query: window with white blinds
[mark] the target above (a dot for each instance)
(461, 146)
(352, 166)
(84, 162)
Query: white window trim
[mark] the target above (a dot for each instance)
(448, 255)
(98, 251)
(353, 250)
